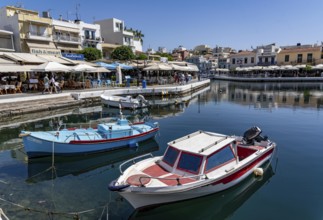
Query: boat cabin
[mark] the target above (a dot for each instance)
(199, 153)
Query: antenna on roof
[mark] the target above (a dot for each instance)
(77, 11)
(19, 5)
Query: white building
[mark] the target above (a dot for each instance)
(267, 55)
(90, 35)
(114, 32)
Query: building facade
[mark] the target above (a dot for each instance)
(32, 34)
(243, 59)
(300, 54)
(267, 55)
(113, 32)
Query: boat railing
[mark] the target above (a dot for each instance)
(133, 160)
(176, 179)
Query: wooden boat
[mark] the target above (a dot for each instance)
(124, 102)
(195, 165)
(73, 141)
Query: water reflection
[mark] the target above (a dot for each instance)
(217, 206)
(270, 95)
(40, 169)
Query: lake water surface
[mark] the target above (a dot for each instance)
(290, 114)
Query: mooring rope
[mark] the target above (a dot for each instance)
(75, 215)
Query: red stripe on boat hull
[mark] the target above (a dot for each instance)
(244, 170)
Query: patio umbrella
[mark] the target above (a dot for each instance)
(107, 65)
(51, 67)
(83, 68)
(158, 66)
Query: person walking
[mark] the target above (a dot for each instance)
(46, 84)
(52, 84)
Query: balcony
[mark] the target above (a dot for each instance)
(66, 39)
(92, 39)
(38, 36)
(266, 63)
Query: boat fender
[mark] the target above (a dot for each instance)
(113, 187)
(258, 171)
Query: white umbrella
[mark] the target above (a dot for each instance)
(158, 66)
(51, 67)
(83, 68)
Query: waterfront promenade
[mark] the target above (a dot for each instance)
(23, 103)
(265, 79)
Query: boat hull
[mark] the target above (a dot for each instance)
(141, 198)
(37, 147)
(123, 102)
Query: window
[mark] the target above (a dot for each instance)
(299, 58)
(219, 158)
(266, 59)
(170, 156)
(252, 60)
(286, 58)
(233, 61)
(309, 57)
(190, 162)
(245, 60)
(87, 34)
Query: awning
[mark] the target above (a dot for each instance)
(39, 22)
(24, 57)
(14, 68)
(4, 61)
(106, 45)
(57, 59)
(48, 45)
(76, 48)
(67, 29)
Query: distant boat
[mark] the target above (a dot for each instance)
(80, 141)
(198, 164)
(125, 102)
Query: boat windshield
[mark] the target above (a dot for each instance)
(219, 158)
(190, 162)
(170, 156)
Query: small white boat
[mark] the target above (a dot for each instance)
(125, 102)
(195, 165)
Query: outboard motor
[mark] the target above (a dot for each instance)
(252, 134)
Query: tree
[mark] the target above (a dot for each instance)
(91, 53)
(142, 56)
(169, 57)
(122, 53)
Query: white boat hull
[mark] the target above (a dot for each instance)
(141, 199)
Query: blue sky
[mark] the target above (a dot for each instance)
(229, 23)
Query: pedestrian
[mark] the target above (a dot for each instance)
(46, 84)
(52, 84)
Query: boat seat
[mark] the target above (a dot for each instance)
(138, 180)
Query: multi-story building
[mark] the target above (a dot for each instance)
(266, 55)
(300, 54)
(114, 32)
(222, 56)
(66, 36)
(243, 59)
(162, 50)
(32, 33)
(202, 63)
(202, 49)
(6, 41)
(90, 35)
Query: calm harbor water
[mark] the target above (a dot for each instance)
(291, 114)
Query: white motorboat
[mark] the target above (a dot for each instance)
(195, 165)
(125, 102)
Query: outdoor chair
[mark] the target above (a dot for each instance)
(108, 82)
(18, 87)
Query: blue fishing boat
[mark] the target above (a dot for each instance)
(80, 141)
